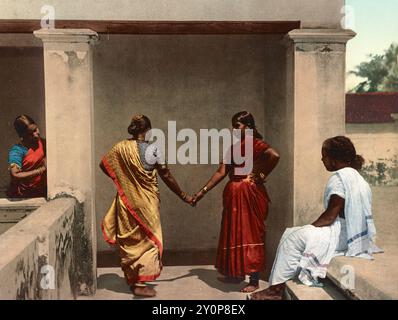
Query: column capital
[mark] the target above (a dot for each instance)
(340, 36)
(67, 35)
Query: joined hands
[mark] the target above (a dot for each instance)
(187, 198)
(193, 200)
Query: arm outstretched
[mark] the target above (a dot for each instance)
(172, 184)
(215, 179)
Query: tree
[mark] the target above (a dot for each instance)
(390, 82)
(374, 71)
(381, 72)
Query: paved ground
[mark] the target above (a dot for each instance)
(175, 283)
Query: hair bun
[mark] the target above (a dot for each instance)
(341, 148)
(137, 117)
(139, 123)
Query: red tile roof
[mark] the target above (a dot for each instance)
(374, 107)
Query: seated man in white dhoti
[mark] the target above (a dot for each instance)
(346, 227)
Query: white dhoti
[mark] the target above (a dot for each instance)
(307, 251)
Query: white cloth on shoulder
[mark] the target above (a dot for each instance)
(361, 230)
(307, 251)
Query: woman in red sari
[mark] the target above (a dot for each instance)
(27, 161)
(241, 248)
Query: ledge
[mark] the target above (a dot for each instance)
(67, 35)
(321, 35)
(32, 228)
(298, 291)
(44, 238)
(27, 204)
(374, 279)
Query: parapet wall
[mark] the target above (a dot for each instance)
(45, 255)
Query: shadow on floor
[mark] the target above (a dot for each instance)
(114, 282)
(210, 278)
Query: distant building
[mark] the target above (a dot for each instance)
(372, 124)
(371, 108)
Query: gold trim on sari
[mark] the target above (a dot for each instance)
(133, 220)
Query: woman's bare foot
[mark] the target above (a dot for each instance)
(271, 293)
(143, 291)
(230, 280)
(252, 286)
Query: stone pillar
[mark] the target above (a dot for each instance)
(305, 105)
(69, 103)
(317, 100)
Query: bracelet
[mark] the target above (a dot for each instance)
(183, 195)
(205, 189)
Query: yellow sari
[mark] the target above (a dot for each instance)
(133, 220)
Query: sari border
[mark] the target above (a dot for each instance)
(149, 277)
(143, 278)
(123, 196)
(110, 241)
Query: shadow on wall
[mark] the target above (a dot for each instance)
(22, 91)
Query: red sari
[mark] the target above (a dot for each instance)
(36, 186)
(241, 248)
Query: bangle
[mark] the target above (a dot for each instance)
(183, 195)
(205, 189)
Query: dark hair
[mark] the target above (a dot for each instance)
(341, 148)
(22, 123)
(139, 124)
(247, 119)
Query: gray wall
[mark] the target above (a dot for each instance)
(198, 81)
(21, 91)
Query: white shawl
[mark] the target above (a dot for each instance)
(361, 231)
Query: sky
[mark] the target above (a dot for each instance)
(376, 25)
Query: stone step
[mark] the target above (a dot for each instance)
(295, 290)
(369, 279)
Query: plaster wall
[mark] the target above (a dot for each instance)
(312, 14)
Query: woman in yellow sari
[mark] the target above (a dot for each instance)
(133, 220)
